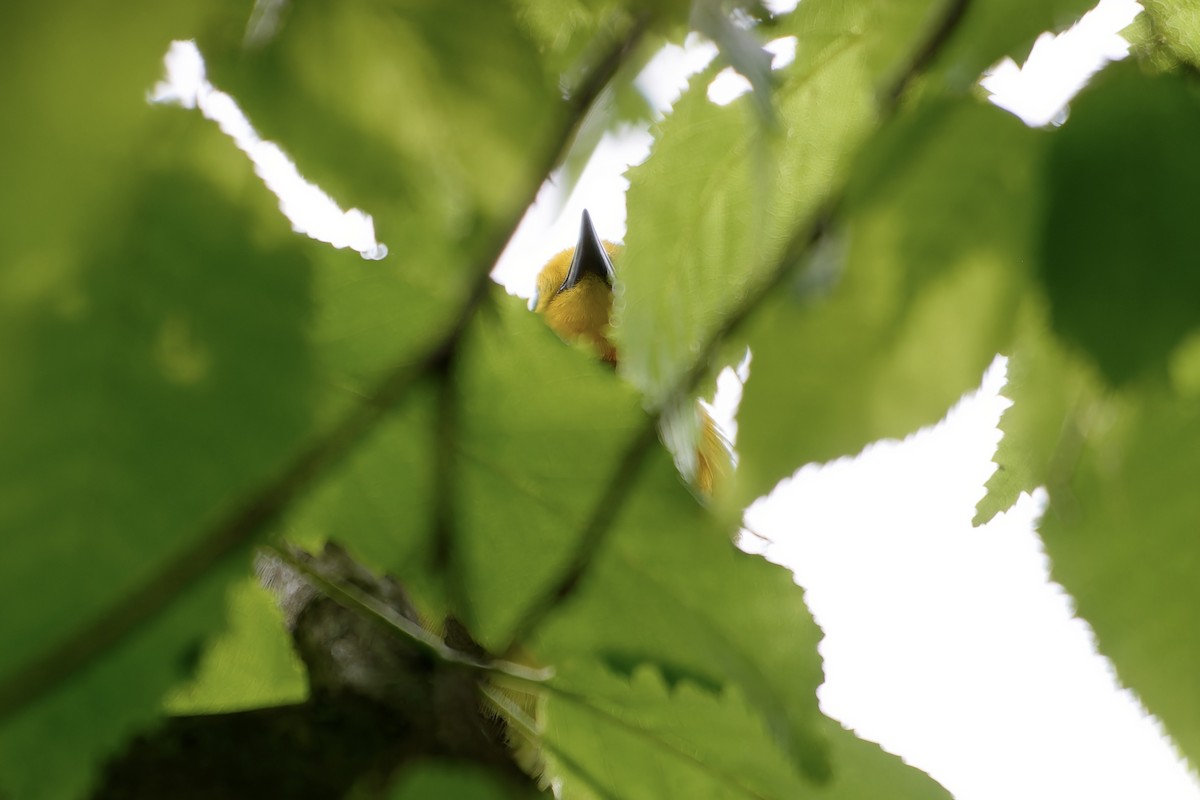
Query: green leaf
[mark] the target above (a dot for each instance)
(989, 30)
(862, 769)
(251, 664)
(671, 591)
(1121, 536)
(1046, 385)
(537, 429)
(638, 735)
(379, 502)
(53, 748)
(159, 377)
(740, 49)
(542, 429)
(711, 209)
(437, 130)
(82, 128)
(897, 314)
(1120, 525)
(433, 128)
(1119, 252)
(1175, 25)
(565, 30)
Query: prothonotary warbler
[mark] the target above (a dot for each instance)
(575, 294)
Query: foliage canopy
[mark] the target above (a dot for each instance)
(186, 379)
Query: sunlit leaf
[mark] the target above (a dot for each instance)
(1175, 24)
(898, 314)
(711, 209)
(637, 735)
(989, 30)
(1121, 535)
(1046, 386)
(670, 590)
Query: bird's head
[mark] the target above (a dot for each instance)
(574, 291)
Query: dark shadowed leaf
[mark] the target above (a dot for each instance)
(163, 375)
(448, 780)
(1120, 243)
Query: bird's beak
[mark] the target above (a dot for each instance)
(590, 257)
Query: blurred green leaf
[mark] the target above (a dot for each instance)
(1120, 243)
(989, 30)
(166, 345)
(567, 31)
(711, 210)
(71, 155)
(54, 747)
(393, 110)
(164, 375)
(378, 502)
(899, 313)
(251, 664)
(1121, 535)
(537, 429)
(739, 48)
(435, 129)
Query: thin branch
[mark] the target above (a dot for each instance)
(362, 603)
(599, 523)
(952, 15)
(237, 528)
(445, 552)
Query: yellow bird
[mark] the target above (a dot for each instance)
(574, 291)
(574, 295)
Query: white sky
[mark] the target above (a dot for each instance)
(945, 643)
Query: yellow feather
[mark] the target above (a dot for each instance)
(581, 314)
